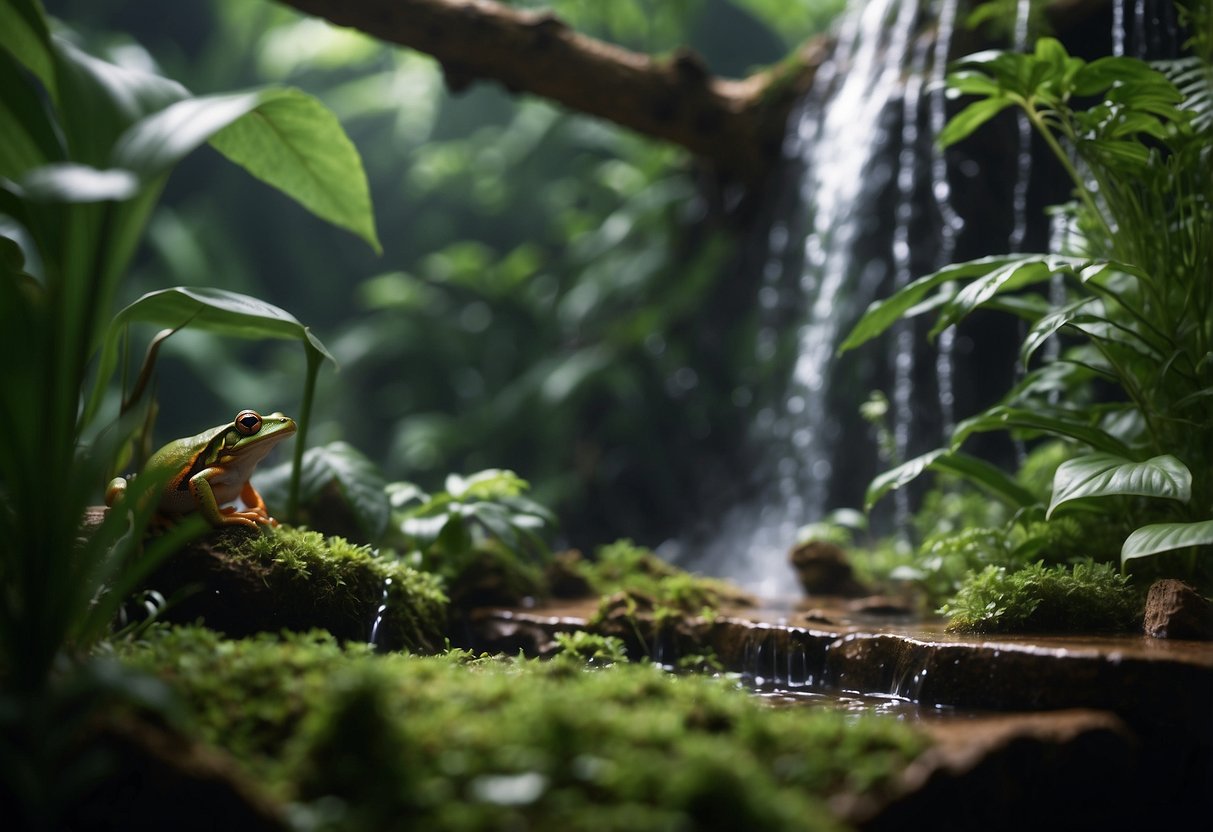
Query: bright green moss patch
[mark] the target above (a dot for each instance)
(451, 743)
(1037, 598)
(241, 582)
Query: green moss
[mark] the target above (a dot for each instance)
(448, 743)
(311, 581)
(623, 567)
(1038, 598)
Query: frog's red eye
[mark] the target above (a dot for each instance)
(248, 422)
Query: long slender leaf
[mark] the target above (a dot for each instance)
(1052, 423)
(1166, 537)
(24, 35)
(884, 313)
(974, 470)
(1104, 475)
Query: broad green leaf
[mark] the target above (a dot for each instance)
(294, 143)
(964, 123)
(212, 310)
(24, 35)
(1166, 537)
(1105, 475)
(884, 313)
(1050, 423)
(977, 471)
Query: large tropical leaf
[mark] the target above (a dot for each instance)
(1105, 475)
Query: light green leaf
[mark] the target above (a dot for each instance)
(1104, 475)
(294, 143)
(964, 123)
(1166, 537)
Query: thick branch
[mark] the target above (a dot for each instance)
(738, 125)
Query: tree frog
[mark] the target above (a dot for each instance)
(213, 468)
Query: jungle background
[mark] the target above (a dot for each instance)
(556, 295)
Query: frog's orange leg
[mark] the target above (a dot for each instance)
(256, 504)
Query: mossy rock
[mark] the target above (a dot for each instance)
(360, 741)
(242, 582)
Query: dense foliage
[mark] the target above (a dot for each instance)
(1128, 387)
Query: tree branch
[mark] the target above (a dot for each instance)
(738, 125)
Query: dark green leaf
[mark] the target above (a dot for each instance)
(1050, 423)
(1103, 475)
(884, 313)
(24, 36)
(211, 310)
(977, 471)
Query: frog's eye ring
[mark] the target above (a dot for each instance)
(248, 422)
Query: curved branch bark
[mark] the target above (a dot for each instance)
(738, 125)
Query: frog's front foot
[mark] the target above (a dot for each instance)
(250, 517)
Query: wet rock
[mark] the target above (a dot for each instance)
(1176, 610)
(564, 578)
(823, 569)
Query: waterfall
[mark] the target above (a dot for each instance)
(843, 140)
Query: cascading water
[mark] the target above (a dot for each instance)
(840, 140)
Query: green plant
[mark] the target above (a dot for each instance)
(1139, 311)
(88, 146)
(1037, 598)
(448, 531)
(591, 648)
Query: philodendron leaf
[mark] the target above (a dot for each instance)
(1106, 475)
(212, 310)
(1166, 537)
(282, 136)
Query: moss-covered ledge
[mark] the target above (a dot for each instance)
(242, 582)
